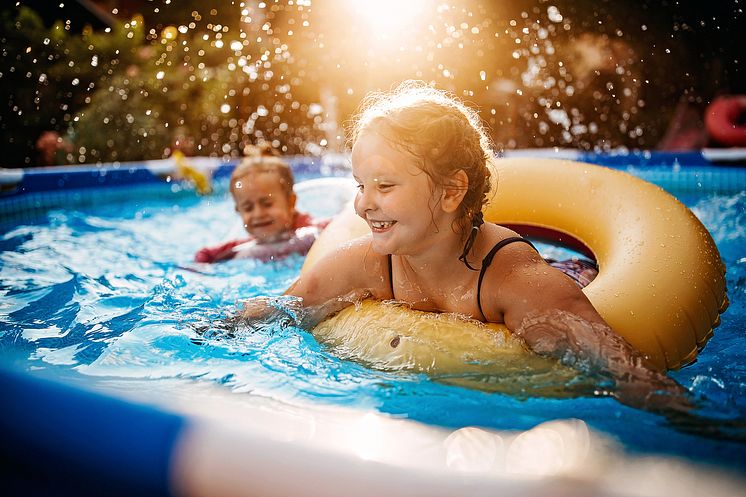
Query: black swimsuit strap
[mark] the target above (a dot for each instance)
(488, 260)
(391, 276)
(485, 264)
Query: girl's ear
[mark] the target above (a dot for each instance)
(454, 190)
(291, 200)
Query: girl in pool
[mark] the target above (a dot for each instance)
(262, 190)
(422, 161)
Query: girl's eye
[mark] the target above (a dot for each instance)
(385, 186)
(360, 188)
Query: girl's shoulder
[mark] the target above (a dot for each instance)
(505, 242)
(498, 231)
(355, 259)
(358, 256)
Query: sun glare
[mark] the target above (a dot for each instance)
(387, 18)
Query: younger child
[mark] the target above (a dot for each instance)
(422, 161)
(262, 189)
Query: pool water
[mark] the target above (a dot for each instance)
(110, 292)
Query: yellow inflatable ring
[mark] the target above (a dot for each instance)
(661, 282)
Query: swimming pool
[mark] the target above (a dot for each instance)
(98, 289)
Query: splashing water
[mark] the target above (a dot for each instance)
(114, 295)
(212, 80)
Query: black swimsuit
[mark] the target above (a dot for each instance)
(485, 264)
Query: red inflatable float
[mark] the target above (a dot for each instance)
(725, 120)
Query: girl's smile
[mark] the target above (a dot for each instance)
(264, 206)
(380, 226)
(395, 197)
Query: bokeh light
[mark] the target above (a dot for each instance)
(143, 78)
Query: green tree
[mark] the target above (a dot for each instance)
(48, 74)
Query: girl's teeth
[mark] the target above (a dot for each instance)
(381, 224)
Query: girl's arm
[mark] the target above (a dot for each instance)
(554, 318)
(222, 252)
(342, 277)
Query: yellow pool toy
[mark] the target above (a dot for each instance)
(661, 282)
(185, 170)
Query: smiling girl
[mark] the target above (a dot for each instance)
(422, 162)
(262, 190)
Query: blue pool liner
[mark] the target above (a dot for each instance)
(26, 195)
(16, 182)
(59, 440)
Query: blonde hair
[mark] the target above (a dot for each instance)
(443, 134)
(263, 159)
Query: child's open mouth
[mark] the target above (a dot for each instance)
(261, 224)
(381, 225)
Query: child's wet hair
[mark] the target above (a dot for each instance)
(443, 134)
(263, 159)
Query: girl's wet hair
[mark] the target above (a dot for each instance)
(443, 134)
(263, 159)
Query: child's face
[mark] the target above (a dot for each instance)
(395, 197)
(265, 208)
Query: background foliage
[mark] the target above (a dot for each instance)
(211, 78)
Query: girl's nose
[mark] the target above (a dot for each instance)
(363, 202)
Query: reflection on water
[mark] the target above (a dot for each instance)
(115, 296)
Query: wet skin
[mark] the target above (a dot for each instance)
(413, 219)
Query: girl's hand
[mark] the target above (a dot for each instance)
(594, 348)
(259, 311)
